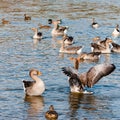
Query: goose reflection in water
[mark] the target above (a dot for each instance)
(36, 105)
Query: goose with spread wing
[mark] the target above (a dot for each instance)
(36, 87)
(78, 82)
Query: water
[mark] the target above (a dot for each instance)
(19, 54)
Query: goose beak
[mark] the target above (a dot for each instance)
(39, 73)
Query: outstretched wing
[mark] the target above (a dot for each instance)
(97, 72)
(74, 80)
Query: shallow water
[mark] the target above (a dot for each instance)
(19, 53)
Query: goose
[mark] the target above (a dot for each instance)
(26, 17)
(59, 30)
(94, 24)
(50, 21)
(51, 114)
(44, 26)
(90, 56)
(102, 46)
(116, 31)
(37, 35)
(5, 21)
(78, 82)
(35, 87)
(68, 40)
(70, 49)
(115, 47)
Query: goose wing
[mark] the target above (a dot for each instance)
(28, 83)
(95, 73)
(74, 80)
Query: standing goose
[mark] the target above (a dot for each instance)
(78, 82)
(94, 24)
(116, 31)
(70, 49)
(36, 87)
(115, 47)
(37, 35)
(51, 114)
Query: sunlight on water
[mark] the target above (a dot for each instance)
(20, 52)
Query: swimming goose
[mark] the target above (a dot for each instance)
(115, 47)
(44, 26)
(51, 114)
(116, 31)
(78, 82)
(37, 35)
(26, 17)
(5, 21)
(102, 46)
(94, 24)
(50, 21)
(70, 49)
(59, 30)
(36, 87)
(90, 56)
(68, 40)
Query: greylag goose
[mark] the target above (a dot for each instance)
(58, 30)
(68, 40)
(37, 35)
(90, 56)
(115, 47)
(116, 31)
(78, 82)
(102, 46)
(5, 21)
(36, 87)
(26, 17)
(70, 49)
(51, 114)
(94, 24)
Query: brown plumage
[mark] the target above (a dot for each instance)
(78, 81)
(26, 17)
(51, 114)
(102, 46)
(35, 87)
(70, 49)
(5, 21)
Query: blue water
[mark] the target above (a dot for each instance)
(19, 54)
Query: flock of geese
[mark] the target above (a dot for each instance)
(77, 82)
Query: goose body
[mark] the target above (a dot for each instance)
(37, 35)
(70, 49)
(51, 114)
(102, 46)
(67, 41)
(5, 21)
(115, 47)
(116, 31)
(95, 24)
(90, 56)
(35, 87)
(26, 17)
(78, 82)
(58, 30)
